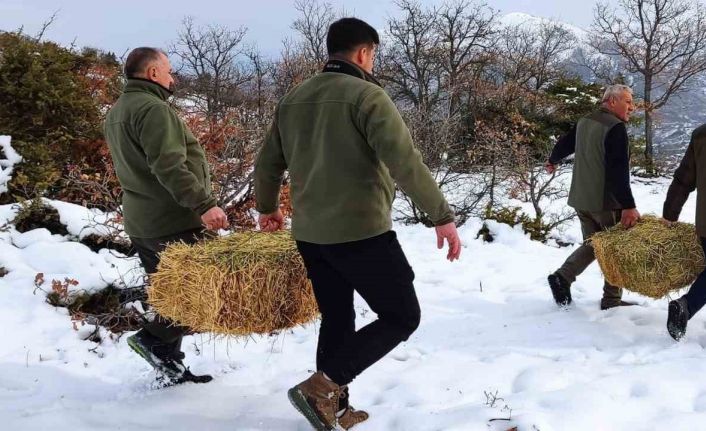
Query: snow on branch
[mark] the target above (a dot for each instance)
(8, 163)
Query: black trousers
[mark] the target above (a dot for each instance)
(377, 269)
(161, 329)
(696, 296)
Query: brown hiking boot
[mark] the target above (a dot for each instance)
(350, 417)
(608, 304)
(317, 399)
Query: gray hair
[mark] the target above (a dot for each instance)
(613, 91)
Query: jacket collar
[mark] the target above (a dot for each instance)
(147, 86)
(345, 67)
(609, 112)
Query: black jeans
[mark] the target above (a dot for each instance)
(377, 269)
(696, 296)
(161, 329)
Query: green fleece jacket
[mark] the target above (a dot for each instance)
(345, 145)
(690, 176)
(160, 165)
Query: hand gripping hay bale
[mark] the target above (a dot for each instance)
(241, 284)
(650, 258)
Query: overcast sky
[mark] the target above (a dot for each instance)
(120, 25)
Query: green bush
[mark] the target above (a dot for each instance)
(513, 216)
(51, 105)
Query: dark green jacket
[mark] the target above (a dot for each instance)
(601, 173)
(161, 167)
(690, 175)
(343, 141)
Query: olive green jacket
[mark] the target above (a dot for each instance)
(345, 145)
(161, 167)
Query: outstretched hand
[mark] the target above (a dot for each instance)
(449, 234)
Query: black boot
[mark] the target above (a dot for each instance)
(165, 358)
(561, 289)
(677, 318)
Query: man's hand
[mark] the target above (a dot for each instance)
(629, 218)
(271, 222)
(666, 222)
(549, 167)
(448, 232)
(215, 219)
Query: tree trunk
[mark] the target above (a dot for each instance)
(493, 179)
(649, 127)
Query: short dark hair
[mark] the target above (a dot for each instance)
(346, 34)
(139, 58)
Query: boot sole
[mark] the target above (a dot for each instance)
(166, 382)
(299, 402)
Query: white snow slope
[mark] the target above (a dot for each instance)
(551, 370)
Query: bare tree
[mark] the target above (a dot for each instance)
(532, 56)
(292, 68)
(227, 99)
(554, 42)
(466, 32)
(45, 26)
(489, 155)
(539, 189)
(250, 121)
(260, 86)
(212, 64)
(303, 56)
(663, 41)
(430, 58)
(604, 69)
(312, 25)
(436, 139)
(410, 69)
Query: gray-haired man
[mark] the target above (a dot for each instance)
(600, 187)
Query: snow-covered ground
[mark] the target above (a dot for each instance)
(489, 326)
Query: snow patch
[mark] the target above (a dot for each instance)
(7, 165)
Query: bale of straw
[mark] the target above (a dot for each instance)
(650, 258)
(241, 284)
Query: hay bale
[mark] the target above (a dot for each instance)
(651, 258)
(241, 284)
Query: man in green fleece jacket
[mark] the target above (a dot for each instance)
(345, 145)
(688, 177)
(166, 190)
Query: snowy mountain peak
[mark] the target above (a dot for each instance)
(532, 21)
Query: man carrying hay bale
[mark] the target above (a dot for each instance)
(166, 190)
(343, 142)
(600, 187)
(688, 176)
